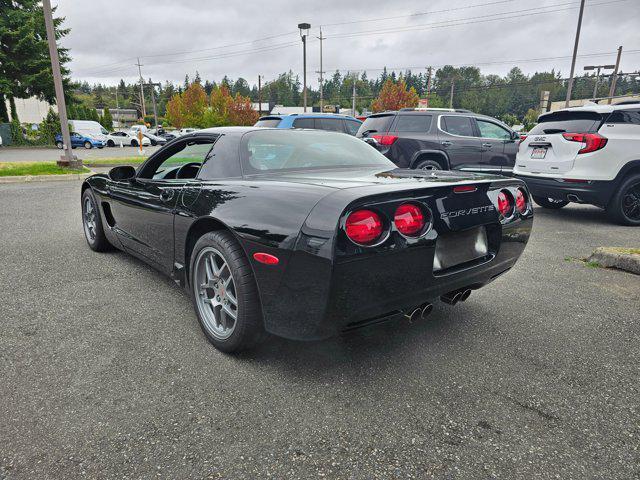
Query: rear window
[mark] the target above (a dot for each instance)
(568, 122)
(413, 123)
(268, 122)
(378, 123)
(331, 124)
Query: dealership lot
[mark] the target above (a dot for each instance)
(107, 374)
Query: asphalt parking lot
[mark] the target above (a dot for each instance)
(106, 374)
(8, 154)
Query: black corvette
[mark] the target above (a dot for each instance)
(305, 233)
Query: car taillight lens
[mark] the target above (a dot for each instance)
(385, 140)
(592, 141)
(410, 219)
(522, 139)
(364, 227)
(505, 203)
(521, 201)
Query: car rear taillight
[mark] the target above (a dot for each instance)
(410, 219)
(385, 140)
(521, 201)
(364, 227)
(505, 203)
(592, 141)
(522, 139)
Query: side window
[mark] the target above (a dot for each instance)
(352, 126)
(413, 123)
(332, 124)
(223, 161)
(458, 126)
(191, 151)
(304, 123)
(625, 116)
(492, 130)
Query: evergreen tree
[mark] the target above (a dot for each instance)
(107, 119)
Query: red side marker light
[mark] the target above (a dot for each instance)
(464, 189)
(265, 258)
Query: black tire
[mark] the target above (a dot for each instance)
(427, 164)
(550, 203)
(98, 242)
(624, 206)
(59, 145)
(88, 145)
(111, 143)
(249, 326)
(134, 143)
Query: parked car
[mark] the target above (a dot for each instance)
(184, 131)
(89, 128)
(78, 140)
(588, 155)
(168, 136)
(115, 139)
(442, 139)
(155, 139)
(246, 218)
(317, 121)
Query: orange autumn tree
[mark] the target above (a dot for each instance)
(394, 96)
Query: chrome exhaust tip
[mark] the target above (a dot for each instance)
(426, 310)
(465, 294)
(451, 298)
(414, 315)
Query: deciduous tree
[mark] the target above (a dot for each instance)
(395, 96)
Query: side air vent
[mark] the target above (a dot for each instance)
(106, 208)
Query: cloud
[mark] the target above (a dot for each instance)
(107, 36)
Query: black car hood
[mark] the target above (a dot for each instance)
(366, 176)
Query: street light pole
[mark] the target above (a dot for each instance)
(321, 72)
(67, 159)
(304, 32)
(575, 54)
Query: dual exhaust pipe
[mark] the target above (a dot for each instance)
(417, 313)
(456, 296)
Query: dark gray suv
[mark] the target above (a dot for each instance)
(442, 139)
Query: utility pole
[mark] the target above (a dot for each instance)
(575, 54)
(353, 97)
(259, 96)
(117, 104)
(304, 27)
(453, 82)
(321, 72)
(67, 159)
(144, 111)
(597, 68)
(428, 84)
(614, 78)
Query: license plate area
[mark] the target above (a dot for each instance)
(539, 153)
(454, 249)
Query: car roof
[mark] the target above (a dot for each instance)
(597, 108)
(308, 115)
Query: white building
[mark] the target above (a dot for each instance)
(30, 110)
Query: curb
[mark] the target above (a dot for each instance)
(45, 178)
(621, 258)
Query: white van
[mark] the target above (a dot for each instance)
(90, 128)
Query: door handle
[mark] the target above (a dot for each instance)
(445, 143)
(167, 194)
(487, 145)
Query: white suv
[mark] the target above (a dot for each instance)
(587, 154)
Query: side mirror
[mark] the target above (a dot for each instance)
(122, 173)
(515, 136)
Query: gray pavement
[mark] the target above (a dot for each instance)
(106, 374)
(8, 154)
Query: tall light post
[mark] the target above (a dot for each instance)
(304, 32)
(597, 68)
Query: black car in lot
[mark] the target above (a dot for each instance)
(442, 139)
(305, 233)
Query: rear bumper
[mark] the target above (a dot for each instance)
(319, 298)
(595, 192)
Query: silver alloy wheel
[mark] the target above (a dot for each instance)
(215, 292)
(89, 219)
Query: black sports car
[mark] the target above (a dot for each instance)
(305, 233)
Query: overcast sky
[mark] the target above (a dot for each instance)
(174, 37)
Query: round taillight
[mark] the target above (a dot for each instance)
(364, 227)
(521, 201)
(409, 219)
(505, 203)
